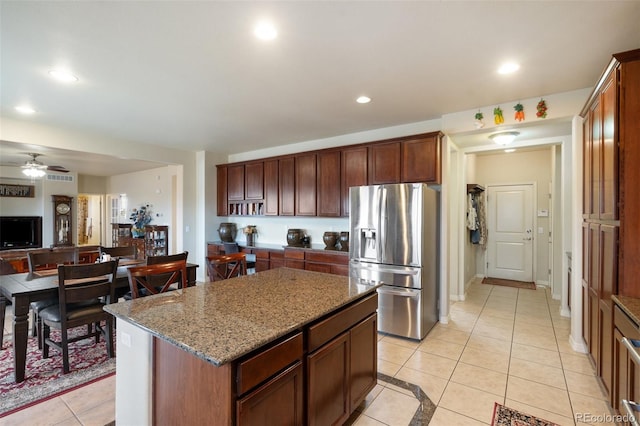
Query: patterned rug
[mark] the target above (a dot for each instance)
(505, 416)
(43, 377)
(509, 283)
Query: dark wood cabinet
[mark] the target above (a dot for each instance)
(354, 172)
(328, 184)
(421, 159)
(287, 185)
(221, 187)
(254, 181)
(384, 163)
(305, 184)
(611, 154)
(626, 370)
(156, 240)
(235, 182)
(363, 365)
(271, 187)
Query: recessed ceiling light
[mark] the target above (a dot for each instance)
(363, 100)
(25, 109)
(63, 76)
(265, 31)
(508, 68)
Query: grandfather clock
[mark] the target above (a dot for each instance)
(62, 220)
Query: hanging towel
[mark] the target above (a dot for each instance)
(472, 215)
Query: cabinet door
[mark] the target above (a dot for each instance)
(254, 181)
(305, 184)
(586, 167)
(596, 147)
(421, 160)
(318, 267)
(353, 173)
(221, 187)
(279, 401)
(235, 182)
(328, 203)
(287, 179)
(609, 152)
(384, 163)
(328, 383)
(271, 187)
(363, 360)
(586, 318)
(594, 291)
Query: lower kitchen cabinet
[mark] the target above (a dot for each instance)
(626, 371)
(280, 398)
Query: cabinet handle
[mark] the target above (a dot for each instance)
(630, 409)
(633, 350)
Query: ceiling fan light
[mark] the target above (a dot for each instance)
(503, 138)
(34, 172)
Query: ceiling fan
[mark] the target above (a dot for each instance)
(35, 168)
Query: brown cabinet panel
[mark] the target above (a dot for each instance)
(587, 207)
(235, 182)
(221, 187)
(421, 159)
(318, 267)
(608, 262)
(281, 398)
(384, 163)
(605, 355)
(254, 181)
(363, 364)
(609, 153)
(271, 187)
(596, 147)
(328, 183)
(287, 185)
(354, 172)
(328, 383)
(305, 185)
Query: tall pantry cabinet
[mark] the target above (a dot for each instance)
(611, 205)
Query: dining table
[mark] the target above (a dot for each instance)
(24, 288)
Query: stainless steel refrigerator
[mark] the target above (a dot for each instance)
(394, 241)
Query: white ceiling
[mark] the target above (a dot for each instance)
(190, 74)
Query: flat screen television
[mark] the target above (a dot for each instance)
(20, 232)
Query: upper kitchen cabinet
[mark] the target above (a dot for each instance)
(305, 185)
(354, 171)
(271, 187)
(328, 169)
(221, 186)
(254, 181)
(286, 183)
(421, 159)
(384, 163)
(235, 182)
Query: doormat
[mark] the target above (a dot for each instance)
(509, 283)
(505, 416)
(43, 377)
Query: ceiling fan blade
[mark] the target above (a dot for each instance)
(58, 169)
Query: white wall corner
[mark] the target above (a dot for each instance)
(578, 345)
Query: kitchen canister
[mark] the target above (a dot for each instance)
(294, 237)
(330, 239)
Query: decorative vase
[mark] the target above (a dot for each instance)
(330, 239)
(250, 239)
(137, 232)
(227, 232)
(344, 241)
(294, 237)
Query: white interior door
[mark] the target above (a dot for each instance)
(510, 232)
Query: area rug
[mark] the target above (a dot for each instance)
(43, 377)
(509, 283)
(505, 416)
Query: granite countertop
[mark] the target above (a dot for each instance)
(630, 306)
(221, 321)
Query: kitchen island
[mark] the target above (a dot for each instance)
(295, 346)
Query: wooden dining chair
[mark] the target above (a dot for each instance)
(225, 266)
(128, 252)
(143, 280)
(47, 260)
(230, 248)
(83, 291)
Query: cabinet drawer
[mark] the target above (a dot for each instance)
(623, 323)
(325, 330)
(261, 254)
(294, 254)
(267, 363)
(340, 258)
(276, 255)
(213, 249)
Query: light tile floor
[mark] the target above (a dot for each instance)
(502, 345)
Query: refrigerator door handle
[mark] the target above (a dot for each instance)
(382, 231)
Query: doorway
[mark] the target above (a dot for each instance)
(89, 230)
(510, 213)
